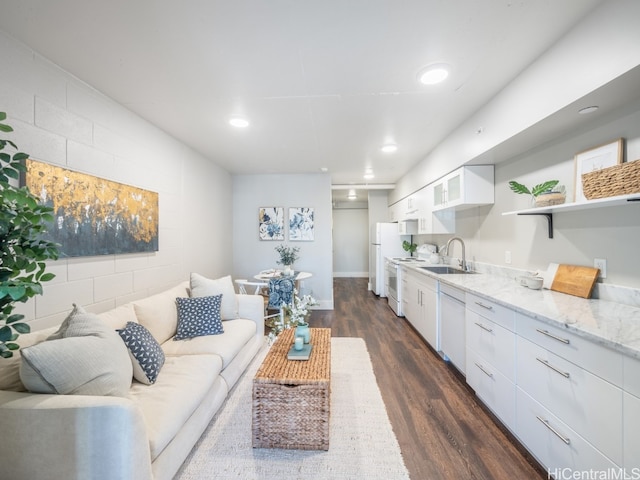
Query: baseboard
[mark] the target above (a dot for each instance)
(351, 274)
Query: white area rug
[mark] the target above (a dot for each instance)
(362, 443)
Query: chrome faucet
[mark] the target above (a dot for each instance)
(463, 264)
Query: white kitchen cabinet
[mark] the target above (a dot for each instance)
(490, 356)
(394, 212)
(451, 313)
(430, 221)
(465, 187)
(408, 227)
(420, 300)
(631, 409)
(556, 446)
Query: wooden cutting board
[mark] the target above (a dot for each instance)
(575, 280)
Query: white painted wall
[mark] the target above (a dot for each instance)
(251, 255)
(59, 119)
(579, 237)
(350, 242)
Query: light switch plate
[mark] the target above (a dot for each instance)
(601, 263)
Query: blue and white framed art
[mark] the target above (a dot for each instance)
(301, 224)
(271, 223)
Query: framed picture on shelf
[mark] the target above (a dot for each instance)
(271, 223)
(301, 224)
(595, 158)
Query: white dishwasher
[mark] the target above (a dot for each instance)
(452, 325)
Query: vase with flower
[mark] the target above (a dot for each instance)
(293, 315)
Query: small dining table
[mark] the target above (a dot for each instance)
(268, 274)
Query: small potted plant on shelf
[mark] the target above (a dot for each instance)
(543, 195)
(288, 256)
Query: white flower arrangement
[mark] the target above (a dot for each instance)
(291, 315)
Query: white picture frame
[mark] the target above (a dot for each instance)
(596, 158)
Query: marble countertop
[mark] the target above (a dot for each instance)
(614, 325)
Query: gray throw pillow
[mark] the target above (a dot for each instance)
(146, 354)
(198, 317)
(84, 357)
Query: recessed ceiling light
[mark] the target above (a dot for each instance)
(239, 122)
(352, 195)
(433, 74)
(369, 175)
(324, 169)
(585, 110)
(389, 148)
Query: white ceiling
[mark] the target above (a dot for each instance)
(323, 83)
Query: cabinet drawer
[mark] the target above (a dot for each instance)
(583, 401)
(497, 313)
(496, 391)
(631, 440)
(492, 342)
(552, 442)
(597, 359)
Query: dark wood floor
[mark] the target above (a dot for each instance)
(443, 430)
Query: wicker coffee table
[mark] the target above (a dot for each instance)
(291, 397)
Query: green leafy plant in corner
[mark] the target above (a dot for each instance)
(409, 247)
(535, 191)
(23, 251)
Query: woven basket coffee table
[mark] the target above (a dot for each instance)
(291, 397)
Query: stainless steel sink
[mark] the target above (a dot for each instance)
(446, 270)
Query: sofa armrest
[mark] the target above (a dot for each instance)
(251, 307)
(72, 437)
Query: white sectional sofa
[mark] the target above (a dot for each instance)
(145, 433)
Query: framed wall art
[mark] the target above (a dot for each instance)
(271, 223)
(94, 216)
(596, 158)
(301, 224)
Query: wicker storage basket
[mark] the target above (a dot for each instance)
(621, 179)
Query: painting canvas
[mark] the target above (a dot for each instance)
(271, 223)
(301, 224)
(94, 216)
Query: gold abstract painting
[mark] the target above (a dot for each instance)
(94, 216)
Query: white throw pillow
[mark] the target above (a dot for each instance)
(158, 313)
(84, 357)
(206, 287)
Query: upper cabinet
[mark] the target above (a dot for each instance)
(468, 186)
(429, 222)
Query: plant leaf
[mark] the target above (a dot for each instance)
(544, 187)
(518, 187)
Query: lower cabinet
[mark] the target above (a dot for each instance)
(556, 446)
(420, 293)
(451, 318)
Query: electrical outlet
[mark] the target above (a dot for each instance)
(601, 263)
(507, 257)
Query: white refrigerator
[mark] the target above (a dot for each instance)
(385, 242)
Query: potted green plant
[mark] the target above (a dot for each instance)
(409, 247)
(23, 252)
(542, 195)
(288, 256)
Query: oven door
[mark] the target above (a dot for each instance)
(391, 274)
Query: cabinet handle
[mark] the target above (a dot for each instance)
(487, 329)
(551, 335)
(488, 374)
(488, 307)
(553, 430)
(555, 369)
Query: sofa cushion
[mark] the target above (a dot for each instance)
(158, 312)
(118, 317)
(198, 317)
(83, 357)
(236, 335)
(146, 355)
(167, 404)
(206, 287)
(10, 367)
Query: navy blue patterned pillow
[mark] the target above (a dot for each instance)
(146, 354)
(198, 316)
